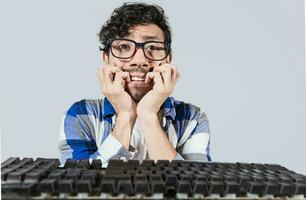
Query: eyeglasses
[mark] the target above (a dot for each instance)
(126, 49)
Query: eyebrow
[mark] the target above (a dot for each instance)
(147, 37)
(150, 38)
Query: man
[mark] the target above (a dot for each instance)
(137, 119)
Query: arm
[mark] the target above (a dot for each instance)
(159, 147)
(79, 142)
(164, 78)
(80, 139)
(193, 145)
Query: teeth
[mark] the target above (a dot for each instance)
(133, 78)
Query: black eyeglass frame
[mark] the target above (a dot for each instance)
(137, 45)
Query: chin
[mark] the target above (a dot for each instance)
(137, 94)
(137, 98)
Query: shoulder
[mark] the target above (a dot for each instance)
(187, 111)
(86, 107)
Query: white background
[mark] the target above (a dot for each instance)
(241, 61)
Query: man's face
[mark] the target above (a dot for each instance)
(138, 65)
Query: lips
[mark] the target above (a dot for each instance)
(137, 76)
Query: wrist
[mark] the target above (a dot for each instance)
(126, 116)
(147, 117)
(123, 127)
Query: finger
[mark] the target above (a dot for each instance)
(149, 77)
(167, 73)
(109, 73)
(101, 74)
(174, 72)
(157, 78)
(161, 71)
(119, 81)
(126, 76)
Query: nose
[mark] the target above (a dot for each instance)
(139, 59)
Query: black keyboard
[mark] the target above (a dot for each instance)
(45, 179)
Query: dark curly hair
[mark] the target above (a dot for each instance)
(130, 15)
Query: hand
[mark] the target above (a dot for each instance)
(165, 78)
(112, 81)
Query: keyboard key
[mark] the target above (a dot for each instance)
(21, 188)
(48, 185)
(185, 177)
(147, 163)
(274, 167)
(216, 187)
(201, 177)
(287, 188)
(108, 186)
(162, 163)
(35, 175)
(216, 177)
(58, 174)
(231, 187)
(5, 172)
(16, 176)
(26, 161)
(49, 164)
(132, 163)
(90, 175)
(171, 180)
(184, 187)
(142, 187)
(125, 187)
(84, 185)
(9, 161)
(83, 164)
(200, 187)
(140, 177)
(96, 164)
(158, 187)
(254, 187)
(271, 188)
(70, 163)
(113, 163)
(245, 166)
(155, 177)
(300, 188)
(66, 185)
(117, 177)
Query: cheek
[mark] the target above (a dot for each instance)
(116, 62)
(155, 64)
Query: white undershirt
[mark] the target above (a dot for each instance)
(138, 142)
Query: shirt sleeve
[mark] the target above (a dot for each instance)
(195, 141)
(78, 137)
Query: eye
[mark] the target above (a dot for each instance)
(154, 47)
(124, 47)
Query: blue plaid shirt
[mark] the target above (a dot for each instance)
(86, 128)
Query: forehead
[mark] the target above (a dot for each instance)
(146, 32)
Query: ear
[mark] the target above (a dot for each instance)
(169, 58)
(105, 57)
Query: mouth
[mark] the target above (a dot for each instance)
(138, 78)
(135, 78)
